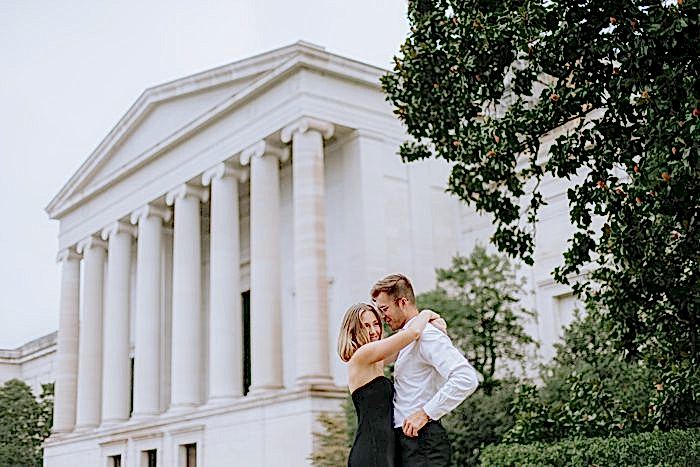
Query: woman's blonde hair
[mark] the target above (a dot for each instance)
(353, 334)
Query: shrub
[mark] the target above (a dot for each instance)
(24, 423)
(673, 448)
(332, 444)
(479, 421)
(589, 390)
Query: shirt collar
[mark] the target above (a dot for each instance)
(408, 322)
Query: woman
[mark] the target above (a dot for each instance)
(360, 344)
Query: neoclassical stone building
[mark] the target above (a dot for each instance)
(209, 247)
(213, 240)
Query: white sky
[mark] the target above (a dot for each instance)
(70, 69)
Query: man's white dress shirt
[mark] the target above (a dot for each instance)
(431, 374)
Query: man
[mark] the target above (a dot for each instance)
(431, 378)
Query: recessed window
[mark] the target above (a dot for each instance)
(245, 297)
(565, 312)
(149, 458)
(189, 455)
(131, 386)
(115, 461)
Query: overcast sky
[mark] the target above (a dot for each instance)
(70, 69)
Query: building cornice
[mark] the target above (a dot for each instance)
(30, 350)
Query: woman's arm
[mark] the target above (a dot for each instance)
(436, 321)
(381, 350)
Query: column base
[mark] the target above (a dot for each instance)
(262, 390)
(58, 434)
(140, 416)
(62, 431)
(181, 408)
(85, 427)
(112, 422)
(215, 401)
(316, 382)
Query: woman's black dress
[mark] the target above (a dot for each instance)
(374, 444)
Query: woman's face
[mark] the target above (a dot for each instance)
(372, 325)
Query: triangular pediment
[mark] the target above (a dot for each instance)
(163, 113)
(161, 120)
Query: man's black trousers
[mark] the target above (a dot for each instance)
(430, 448)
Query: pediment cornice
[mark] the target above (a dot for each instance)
(262, 70)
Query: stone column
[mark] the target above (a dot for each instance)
(90, 352)
(148, 326)
(310, 279)
(265, 300)
(186, 376)
(225, 314)
(67, 352)
(116, 377)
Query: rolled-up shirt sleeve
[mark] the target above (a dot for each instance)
(461, 378)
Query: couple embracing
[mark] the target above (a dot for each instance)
(399, 423)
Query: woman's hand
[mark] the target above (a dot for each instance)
(436, 320)
(441, 324)
(430, 314)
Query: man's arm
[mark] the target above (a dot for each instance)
(437, 349)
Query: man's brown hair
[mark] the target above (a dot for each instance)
(395, 286)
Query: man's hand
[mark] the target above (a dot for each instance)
(414, 423)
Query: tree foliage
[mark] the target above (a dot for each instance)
(605, 94)
(480, 298)
(24, 423)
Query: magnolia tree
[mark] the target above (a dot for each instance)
(482, 84)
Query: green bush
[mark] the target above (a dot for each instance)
(479, 421)
(332, 444)
(589, 390)
(24, 423)
(673, 448)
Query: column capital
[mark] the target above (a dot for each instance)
(224, 170)
(150, 210)
(118, 227)
(185, 190)
(263, 148)
(67, 254)
(304, 124)
(91, 242)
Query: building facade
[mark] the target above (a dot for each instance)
(32, 362)
(209, 247)
(212, 242)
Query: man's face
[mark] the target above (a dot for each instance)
(391, 311)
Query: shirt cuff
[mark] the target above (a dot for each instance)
(432, 411)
